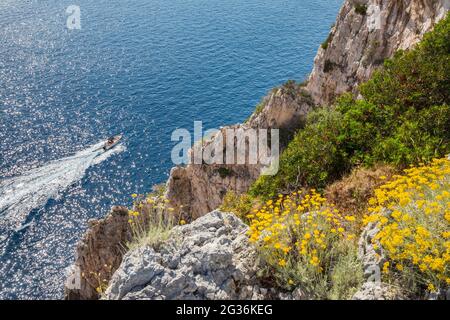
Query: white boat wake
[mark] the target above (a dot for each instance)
(32, 190)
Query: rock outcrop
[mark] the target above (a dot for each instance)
(285, 108)
(367, 32)
(200, 188)
(98, 255)
(373, 259)
(378, 291)
(207, 259)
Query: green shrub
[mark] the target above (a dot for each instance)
(418, 78)
(327, 41)
(312, 158)
(347, 275)
(224, 172)
(373, 134)
(328, 66)
(361, 9)
(420, 136)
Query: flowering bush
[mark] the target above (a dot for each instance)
(414, 231)
(151, 220)
(304, 243)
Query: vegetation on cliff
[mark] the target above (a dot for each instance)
(375, 158)
(413, 216)
(307, 243)
(402, 119)
(151, 219)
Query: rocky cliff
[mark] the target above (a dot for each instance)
(98, 255)
(201, 188)
(207, 259)
(366, 32)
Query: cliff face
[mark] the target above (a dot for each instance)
(98, 255)
(367, 32)
(201, 188)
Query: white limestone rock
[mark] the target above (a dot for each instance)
(207, 259)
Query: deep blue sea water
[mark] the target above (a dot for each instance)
(142, 67)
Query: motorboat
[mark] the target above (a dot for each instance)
(111, 142)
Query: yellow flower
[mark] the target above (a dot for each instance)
(418, 228)
(182, 222)
(386, 267)
(286, 250)
(134, 195)
(282, 232)
(282, 262)
(314, 261)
